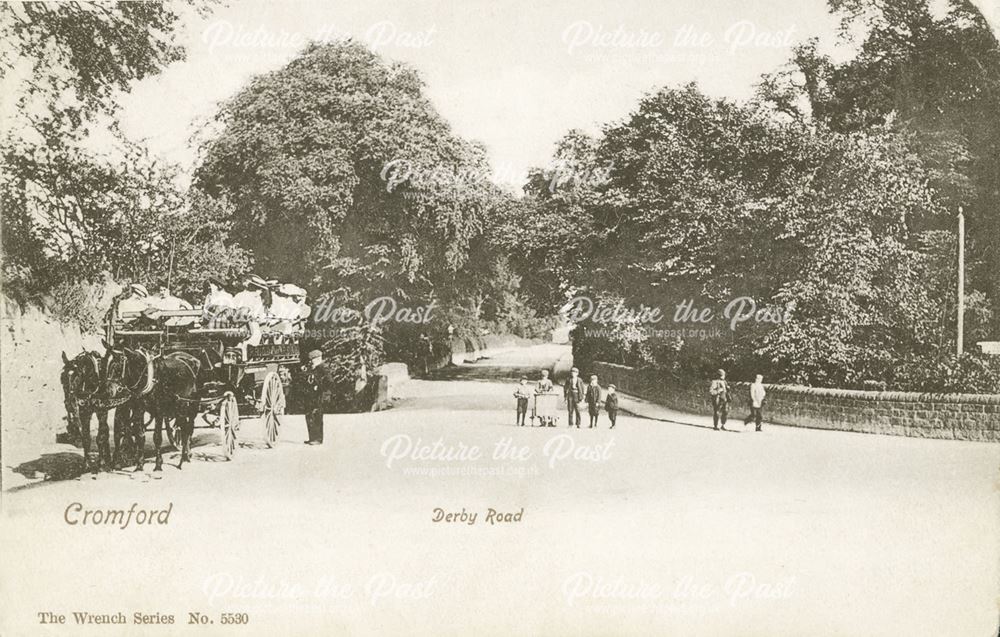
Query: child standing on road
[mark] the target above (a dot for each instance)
(757, 394)
(611, 405)
(522, 394)
(544, 386)
(593, 398)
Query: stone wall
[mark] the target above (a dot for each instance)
(949, 416)
(396, 375)
(469, 350)
(32, 344)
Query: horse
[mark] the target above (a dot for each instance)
(81, 382)
(175, 395)
(128, 380)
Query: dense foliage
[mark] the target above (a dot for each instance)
(343, 176)
(830, 200)
(74, 215)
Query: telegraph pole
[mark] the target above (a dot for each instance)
(961, 280)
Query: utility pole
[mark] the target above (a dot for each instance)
(170, 274)
(961, 280)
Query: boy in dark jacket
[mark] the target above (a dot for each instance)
(522, 394)
(593, 398)
(611, 405)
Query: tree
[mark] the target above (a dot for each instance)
(68, 213)
(713, 201)
(343, 177)
(935, 78)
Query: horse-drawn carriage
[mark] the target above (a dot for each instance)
(230, 379)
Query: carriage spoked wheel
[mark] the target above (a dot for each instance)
(272, 405)
(229, 421)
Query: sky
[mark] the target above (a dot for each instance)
(513, 75)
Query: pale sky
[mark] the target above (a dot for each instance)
(514, 75)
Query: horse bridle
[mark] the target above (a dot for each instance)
(134, 391)
(84, 398)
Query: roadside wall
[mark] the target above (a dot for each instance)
(949, 416)
(469, 350)
(396, 375)
(461, 351)
(31, 348)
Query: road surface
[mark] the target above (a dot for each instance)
(652, 528)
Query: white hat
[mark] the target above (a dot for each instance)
(256, 281)
(139, 289)
(290, 289)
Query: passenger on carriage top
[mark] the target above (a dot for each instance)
(296, 296)
(218, 302)
(164, 300)
(136, 301)
(287, 309)
(283, 308)
(299, 296)
(251, 306)
(251, 301)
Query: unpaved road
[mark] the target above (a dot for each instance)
(653, 528)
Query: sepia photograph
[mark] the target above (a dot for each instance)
(441, 317)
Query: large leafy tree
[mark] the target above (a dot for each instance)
(934, 77)
(343, 176)
(548, 234)
(711, 201)
(68, 213)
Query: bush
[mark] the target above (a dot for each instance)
(973, 373)
(79, 304)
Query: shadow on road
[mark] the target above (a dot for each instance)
(64, 465)
(69, 465)
(486, 372)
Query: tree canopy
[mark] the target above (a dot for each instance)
(71, 213)
(343, 175)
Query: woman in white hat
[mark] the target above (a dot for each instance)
(249, 306)
(218, 304)
(136, 301)
(285, 309)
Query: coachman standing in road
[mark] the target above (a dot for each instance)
(317, 394)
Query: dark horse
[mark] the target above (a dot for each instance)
(128, 379)
(81, 382)
(169, 385)
(175, 395)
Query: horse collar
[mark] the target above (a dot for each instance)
(149, 374)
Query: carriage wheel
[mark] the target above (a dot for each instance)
(229, 420)
(272, 399)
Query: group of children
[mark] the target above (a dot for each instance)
(592, 394)
(575, 392)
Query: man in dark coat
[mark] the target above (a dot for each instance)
(718, 392)
(573, 392)
(317, 394)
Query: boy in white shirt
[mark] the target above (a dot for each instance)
(757, 394)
